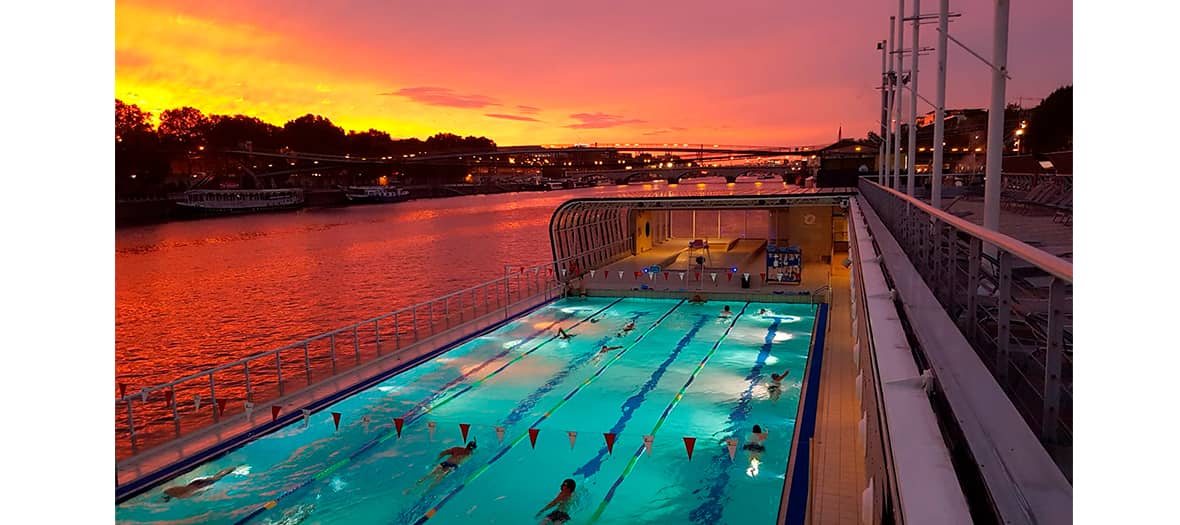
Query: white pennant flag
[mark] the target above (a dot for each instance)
(681, 276)
(306, 418)
(249, 409)
(713, 275)
(431, 425)
(592, 273)
(731, 444)
(651, 276)
(197, 402)
(500, 434)
(573, 435)
(563, 270)
(647, 443)
(746, 276)
(366, 420)
(620, 274)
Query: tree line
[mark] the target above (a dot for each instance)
(145, 154)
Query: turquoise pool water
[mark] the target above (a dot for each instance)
(683, 371)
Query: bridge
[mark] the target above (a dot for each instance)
(675, 175)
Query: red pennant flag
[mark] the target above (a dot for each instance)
(665, 276)
(336, 419)
(549, 270)
(610, 442)
(533, 436)
(397, 423)
(522, 269)
(122, 390)
(168, 397)
(605, 275)
(689, 442)
(221, 406)
(763, 277)
(637, 275)
(698, 275)
(730, 276)
(464, 427)
(274, 412)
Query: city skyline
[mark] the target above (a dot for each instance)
(540, 73)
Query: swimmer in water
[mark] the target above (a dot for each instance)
(697, 299)
(561, 334)
(775, 388)
(603, 352)
(562, 503)
(457, 456)
(198, 485)
(726, 312)
(626, 329)
(755, 444)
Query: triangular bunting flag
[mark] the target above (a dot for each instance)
(665, 276)
(221, 406)
(500, 434)
(689, 443)
(605, 275)
(729, 275)
(698, 275)
(731, 444)
(522, 269)
(431, 426)
(592, 273)
(463, 428)
(651, 276)
(563, 270)
(647, 443)
(610, 442)
(763, 277)
(681, 276)
(336, 419)
(168, 397)
(397, 425)
(122, 390)
(713, 276)
(196, 401)
(620, 274)
(573, 435)
(274, 412)
(637, 275)
(533, 436)
(746, 276)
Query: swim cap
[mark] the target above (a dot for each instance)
(757, 429)
(471, 445)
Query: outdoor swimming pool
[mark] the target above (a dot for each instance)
(682, 372)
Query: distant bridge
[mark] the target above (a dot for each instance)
(676, 175)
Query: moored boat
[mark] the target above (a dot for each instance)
(229, 201)
(375, 194)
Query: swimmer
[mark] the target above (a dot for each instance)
(726, 312)
(626, 329)
(295, 515)
(561, 334)
(457, 455)
(595, 320)
(562, 503)
(198, 485)
(765, 311)
(775, 388)
(604, 350)
(697, 299)
(755, 444)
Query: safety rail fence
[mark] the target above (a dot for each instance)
(153, 415)
(1012, 302)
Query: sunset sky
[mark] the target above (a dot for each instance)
(770, 72)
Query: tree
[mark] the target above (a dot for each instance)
(1050, 128)
(130, 120)
(233, 132)
(314, 133)
(140, 163)
(184, 129)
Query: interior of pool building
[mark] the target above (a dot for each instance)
(795, 356)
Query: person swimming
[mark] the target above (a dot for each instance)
(562, 503)
(199, 485)
(603, 352)
(697, 299)
(626, 329)
(457, 455)
(755, 443)
(726, 312)
(561, 334)
(775, 388)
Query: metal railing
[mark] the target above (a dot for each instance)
(164, 412)
(1012, 302)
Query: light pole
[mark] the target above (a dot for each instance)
(940, 107)
(995, 120)
(884, 114)
(890, 143)
(900, 45)
(911, 155)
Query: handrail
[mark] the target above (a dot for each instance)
(1056, 266)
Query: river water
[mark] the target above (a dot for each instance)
(196, 294)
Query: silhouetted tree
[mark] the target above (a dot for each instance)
(129, 120)
(370, 143)
(314, 133)
(184, 129)
(140, 162)
(1051, 126)
(234, 132)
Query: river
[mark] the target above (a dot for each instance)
(191, 295)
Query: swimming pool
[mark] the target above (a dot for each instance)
(682, 372)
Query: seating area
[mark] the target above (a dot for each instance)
(1055, 195)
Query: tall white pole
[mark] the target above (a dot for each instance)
(890, 146)
(940, 109)
(900, 46)
(995, 121)
(911, 155)
(884, 115)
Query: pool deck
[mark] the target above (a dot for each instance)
(747, 255)
(838, 467)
